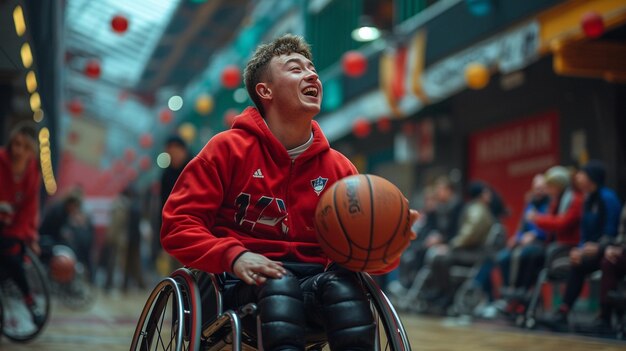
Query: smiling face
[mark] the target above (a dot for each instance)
(292, 86)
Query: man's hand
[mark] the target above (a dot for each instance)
(433, 239)
(527, 238)
(591, 249)
(413, 217)
(34, 246)
(575, 256)
(254, 269)
(612, 253)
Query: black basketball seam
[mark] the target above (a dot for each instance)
(395, 231)
(369, 249)
(343, 229)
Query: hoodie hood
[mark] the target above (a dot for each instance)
(251, 121)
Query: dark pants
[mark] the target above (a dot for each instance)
(612, 274)
(530, 260)
(309, 299)
(576, 278)
(12, 263)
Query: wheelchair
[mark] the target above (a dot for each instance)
(555, 270)
(17, 324)
(185, 312)
(468, 295)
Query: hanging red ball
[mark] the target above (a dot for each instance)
(354, 63)
(145, 141)
(119, 24)
(231, 77)
(92, 69)
(592, 24)
(166, 115)
(361, 128)
(75, 107)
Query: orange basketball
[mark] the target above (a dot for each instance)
(62, 268)
(362, 222)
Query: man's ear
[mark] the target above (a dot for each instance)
(263, 91)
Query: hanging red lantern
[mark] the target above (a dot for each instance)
(75, 107)
(384, 124)
(354, 63)
(166, 115)
(231, 77)
(592, 24)
(145, 141)
(119, 24)
(92, 69)
(144, 163)
(229, 117)
(129, 155)
(361, 128)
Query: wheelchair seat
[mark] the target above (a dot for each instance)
(186, 312)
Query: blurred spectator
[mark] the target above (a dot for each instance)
(412, 259)
(465, 248)
(176, 147)
(116, 237)
(613, 271)
(19, 208)
(132, 263)
(522, 260)
(66, 223)
(599, 222)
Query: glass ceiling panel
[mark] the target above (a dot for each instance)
(123, 57)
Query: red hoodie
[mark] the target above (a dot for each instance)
(243, 192)
(23, 196)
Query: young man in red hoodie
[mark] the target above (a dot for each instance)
(245, 205)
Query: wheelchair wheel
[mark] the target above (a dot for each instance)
(391, 333)
(170, 319)
(17, 323)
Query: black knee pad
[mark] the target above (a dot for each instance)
(346, 310)
(281, 313)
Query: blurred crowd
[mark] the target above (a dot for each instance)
(572, 232)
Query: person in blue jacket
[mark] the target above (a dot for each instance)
(599, 223)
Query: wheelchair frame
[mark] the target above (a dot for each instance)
(223, 330)
(11, 326)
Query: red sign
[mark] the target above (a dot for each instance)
(509, 155)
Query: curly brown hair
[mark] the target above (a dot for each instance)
(256, 69)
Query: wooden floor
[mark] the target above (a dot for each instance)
(109, 324)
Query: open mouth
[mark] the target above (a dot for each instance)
(310, 91)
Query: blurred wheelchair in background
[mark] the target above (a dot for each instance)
(17, 319)
(185, 312)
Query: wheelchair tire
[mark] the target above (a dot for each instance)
(393, 335)
(159, 327)
(14, 326)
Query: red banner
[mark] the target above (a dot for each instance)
(509, 155)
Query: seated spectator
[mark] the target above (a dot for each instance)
(598, 226)
(522, 260)
(476, 222)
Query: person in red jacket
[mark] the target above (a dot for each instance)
(19, 207)
(245, 205)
